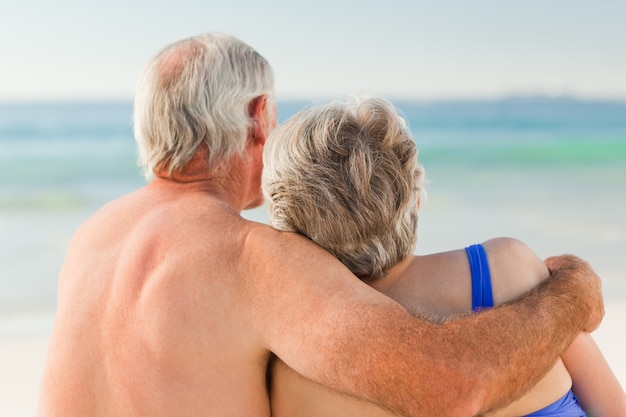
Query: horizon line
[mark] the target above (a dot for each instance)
(327, 98)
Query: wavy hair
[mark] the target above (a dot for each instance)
(346, 175)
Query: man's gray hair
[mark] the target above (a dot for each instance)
(198, 91)
(346, 176)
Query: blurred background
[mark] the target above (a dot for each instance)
(518, 111)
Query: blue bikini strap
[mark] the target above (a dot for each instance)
(482, 294)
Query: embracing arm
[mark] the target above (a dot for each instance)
(332, 328)
(594, 383)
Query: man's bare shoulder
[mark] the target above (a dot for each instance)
(264, 237)
(116, 213)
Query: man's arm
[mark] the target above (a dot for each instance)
(332, 328)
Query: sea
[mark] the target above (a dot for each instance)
(548, 171)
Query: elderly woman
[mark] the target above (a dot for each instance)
(346, 175)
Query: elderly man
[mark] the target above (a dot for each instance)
(171, 304)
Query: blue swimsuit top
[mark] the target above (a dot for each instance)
(482, 297)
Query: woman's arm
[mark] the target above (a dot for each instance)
(595, 385)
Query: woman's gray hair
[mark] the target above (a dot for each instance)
(346, 176)
(197, 91)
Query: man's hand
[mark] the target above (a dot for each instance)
(591, 285)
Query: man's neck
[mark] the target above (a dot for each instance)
(225, 182)
(197, 169)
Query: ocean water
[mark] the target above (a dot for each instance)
(551, 172)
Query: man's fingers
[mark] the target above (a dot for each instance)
(580, 270)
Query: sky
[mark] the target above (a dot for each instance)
(402, 49)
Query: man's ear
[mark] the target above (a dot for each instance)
(257, 110)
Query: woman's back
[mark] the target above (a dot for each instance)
(437, 286)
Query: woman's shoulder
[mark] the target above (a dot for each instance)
(515, 268)
(436, 284)
(439, 284)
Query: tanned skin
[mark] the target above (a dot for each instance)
(170, 304)
(439, 286)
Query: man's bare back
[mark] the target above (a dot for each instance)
(154, 288)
